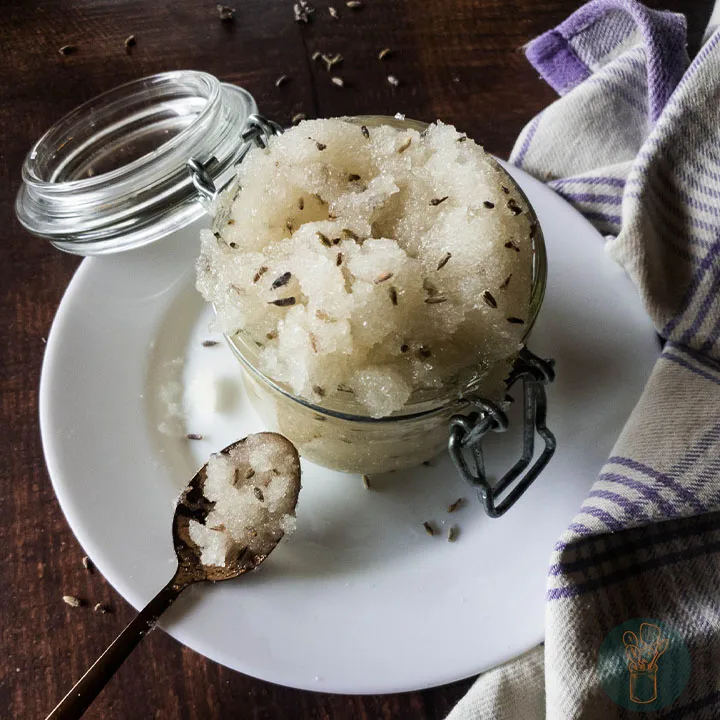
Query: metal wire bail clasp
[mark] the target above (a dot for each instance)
(258, 131)
(467, 431)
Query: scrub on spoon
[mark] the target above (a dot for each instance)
(253, 488)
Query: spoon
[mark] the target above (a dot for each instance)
(194, 506)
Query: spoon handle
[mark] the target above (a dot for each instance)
(77, 701)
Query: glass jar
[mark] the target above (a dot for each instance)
(148, 158)
(112, 174)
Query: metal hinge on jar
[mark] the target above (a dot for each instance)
(257, 132)
(467, 432)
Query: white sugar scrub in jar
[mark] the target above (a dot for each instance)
(373, 275)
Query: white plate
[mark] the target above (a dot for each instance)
(360, 599)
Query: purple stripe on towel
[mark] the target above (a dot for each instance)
(680, 490)
(662, 205)
(708, 262)
(664, 36)
(611, 181)
(529, 135)
(698, 61)
(712, 337)
(640, 541)
(629, 572)
(592, 198)
(699, 357)
(553, 57)
(671, 215)
(611, 87)
(633, 75)
(563, 593)
(684, 363)
(693, 182)
(705, 306)
(577, 528)
(601, 217)
(602, 515)
(631, 508)
(667, 508)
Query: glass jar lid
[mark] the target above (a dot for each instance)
(112, 174)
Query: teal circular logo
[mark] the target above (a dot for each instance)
(643, 665)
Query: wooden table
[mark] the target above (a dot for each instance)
(457, 60)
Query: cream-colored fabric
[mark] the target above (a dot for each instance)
(634, 144)
(510, 692)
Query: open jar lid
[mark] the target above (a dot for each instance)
(112, 174)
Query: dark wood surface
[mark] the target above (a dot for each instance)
(457, 60)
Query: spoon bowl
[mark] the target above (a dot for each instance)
(194, 505)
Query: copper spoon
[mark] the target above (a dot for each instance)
(192, 505)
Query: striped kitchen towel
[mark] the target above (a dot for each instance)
(633, 594)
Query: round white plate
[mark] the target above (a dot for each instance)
(360, 599)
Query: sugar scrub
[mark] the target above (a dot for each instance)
(254, 487)
(371, 260)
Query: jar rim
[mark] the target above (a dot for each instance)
(101, 101)
(111, 175)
